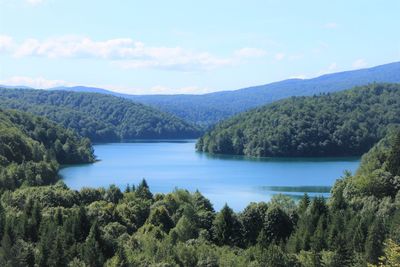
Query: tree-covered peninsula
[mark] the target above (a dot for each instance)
(345, 123)
(102, 118)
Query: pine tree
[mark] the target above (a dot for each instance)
(143, 191)
(36, 218)
(318, 240)
(304, 203)
(226, 228)
(2, 221)
(92, 253)
(81, 225)
(59, 217)
(277, 227)
(127, 189)
(57, 256)
(393, 161)
(6, 248)
(47, 234)
(343, 256)
(374, 242)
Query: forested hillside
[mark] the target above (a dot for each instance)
(56, 226)
(98, 117)
(208, 109)
(31, 148)
(345, 123)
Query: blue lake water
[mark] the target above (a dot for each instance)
(235, 180)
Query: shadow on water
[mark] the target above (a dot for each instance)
(299, 196)
(153, 141)
(174, 141)
(297, 192)
(298, 189)
(276, 159)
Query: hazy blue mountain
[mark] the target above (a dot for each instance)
(85, 89)
(15, 86)
(210, 108)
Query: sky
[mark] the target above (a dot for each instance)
(169, 47)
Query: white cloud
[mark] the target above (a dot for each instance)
(6, 43)
(299, 76)
(331, 25)
(123, 52)
(38, 82)
(43, 83)
(359, 63)
(34, 2)
(180, 62)
(330, 69)
(158, 89)
(248, 52)
(280, 56)
(332, 66)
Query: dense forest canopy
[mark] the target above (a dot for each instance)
(99, 117)
(345, 123)
(44, 223)
(208, 109)
(56, 226)
(31, 148)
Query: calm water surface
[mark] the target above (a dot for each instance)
(223, 179)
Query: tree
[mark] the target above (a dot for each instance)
(142, 190)
(226, 228)
(113, 194)
(277, 226)
(6, 249)
(2, 220)
(393, 161)
(185, 229)
(374, 242)
(343, 255)
(160, 217)
(273, 256)
(92, 253)
(252, 219)
(57, 255)
(304, 203)
(391, 257)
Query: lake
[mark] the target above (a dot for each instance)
(235, 180)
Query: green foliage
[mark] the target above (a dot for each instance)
(393, 161)
(377, 175)
(56, 226)
(346, 123)
(31, 148)
(160, 217)
(98, 117)
(277, 227)
(227, 228)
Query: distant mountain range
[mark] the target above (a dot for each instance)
(207, 109)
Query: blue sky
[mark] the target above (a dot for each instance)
(190, 46)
